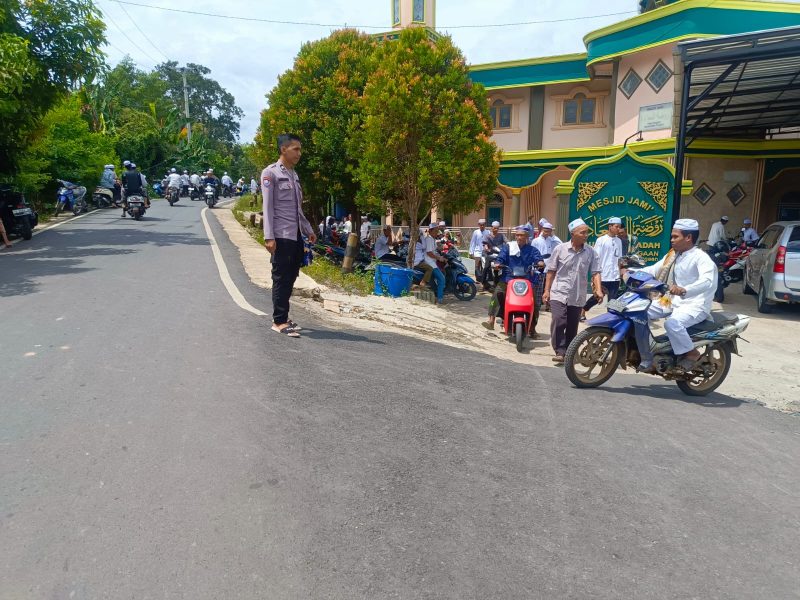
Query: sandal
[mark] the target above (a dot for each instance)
(287, 331)
(294, 325)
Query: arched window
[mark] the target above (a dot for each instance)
(579, 110)
(500, 114)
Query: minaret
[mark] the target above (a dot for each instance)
(413, 13)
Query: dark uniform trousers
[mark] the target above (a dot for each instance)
(286, 263)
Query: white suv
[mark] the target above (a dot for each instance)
(773, 268)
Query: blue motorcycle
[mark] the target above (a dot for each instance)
(622, 338)
(70, 197)
(456, 279)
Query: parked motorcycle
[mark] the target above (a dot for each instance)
(490, 275)
(158, 189)
(211, 199)
(622, 337)
(719, 254)
(136, 207)
(456, 278)
(17, 216)
(733, 268)
(70, 197)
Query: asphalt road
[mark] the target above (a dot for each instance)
(157, 441)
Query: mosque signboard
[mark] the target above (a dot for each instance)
(637, 190)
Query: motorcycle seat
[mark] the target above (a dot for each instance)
(721, 317)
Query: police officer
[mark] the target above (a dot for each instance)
(284, 225)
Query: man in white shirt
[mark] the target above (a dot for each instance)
(749, 235)
(717, 233)
(692, 281)
(425, 258)
(383, 245)
(348, 225)
(545, 242)
(609, 251)
(476, 247)
(364, 229)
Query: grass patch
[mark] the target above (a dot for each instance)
(244, 204)
(327, 273)
(321, 270)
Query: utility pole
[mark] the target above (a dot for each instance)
(186, 107)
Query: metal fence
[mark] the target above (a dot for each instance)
(463, 235)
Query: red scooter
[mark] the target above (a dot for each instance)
(519, 305)
(733, 269)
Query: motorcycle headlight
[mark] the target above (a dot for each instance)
(520, 288)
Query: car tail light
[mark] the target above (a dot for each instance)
(780, 261)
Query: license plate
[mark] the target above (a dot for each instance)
(18, 212)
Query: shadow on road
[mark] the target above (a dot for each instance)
(64, 252)
(671, 392)
(338, 335)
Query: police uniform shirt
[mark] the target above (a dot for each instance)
(283, 203)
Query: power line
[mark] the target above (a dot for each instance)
(380, 27)
(144, 35)
(107, 14)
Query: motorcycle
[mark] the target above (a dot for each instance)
(211, 199)
(519, 305)
(103, 197)
(17, 216)
(490, 274)
(136, 207)
(719, 254)
(733, 269)
(226, 191)
(456, 278)
(70, 197)
(194, 192)
(622, 338)
(173, 195)
(158, 189)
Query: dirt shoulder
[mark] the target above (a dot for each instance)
(766, 373)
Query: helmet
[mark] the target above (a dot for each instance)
(185, 172)
(109, 167)
(172, 170)
(211, 170)
(126, 163)
(225, 173)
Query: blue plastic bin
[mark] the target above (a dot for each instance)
(394, 280)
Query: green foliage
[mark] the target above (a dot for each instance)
(46, 47)
(329, 274)
(65, 148)
(211, 104)
(138, 135)
(318, 99)
(424, 141)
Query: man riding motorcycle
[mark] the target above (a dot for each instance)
(692, 279)
(518, 253)
(132, 185)
(185, 183)
(227, 182)
(108, 178)
(211, 179)
(174, 181)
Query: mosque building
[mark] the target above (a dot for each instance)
(592, 134)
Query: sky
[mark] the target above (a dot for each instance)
(247, 57)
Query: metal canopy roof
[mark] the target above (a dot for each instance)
(743, 86)
(740, 86)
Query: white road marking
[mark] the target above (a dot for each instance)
(60, 223)
(224, 275)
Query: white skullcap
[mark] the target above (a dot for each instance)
(575, 224)
(723, 218)
(495, 223)
(126, 162)
(546, 224)
(481, 221)
(686, 225)
(615, 221)
(433, 226)
(442, 223)
(521, 229)
(748, 222)
(542, 221)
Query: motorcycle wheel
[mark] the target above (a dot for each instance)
(585, 351)
(519, 335)
(59, 208)
(77, 209)
(27, 229)
(138, 216)
(715, 364)
(465, 291)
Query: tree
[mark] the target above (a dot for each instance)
(46, 48)
(64, 147)
(424, 142)
(318, 99)
(210, 104)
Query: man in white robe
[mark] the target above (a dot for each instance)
(692, 280)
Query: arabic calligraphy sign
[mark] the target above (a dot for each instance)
(637, 190)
